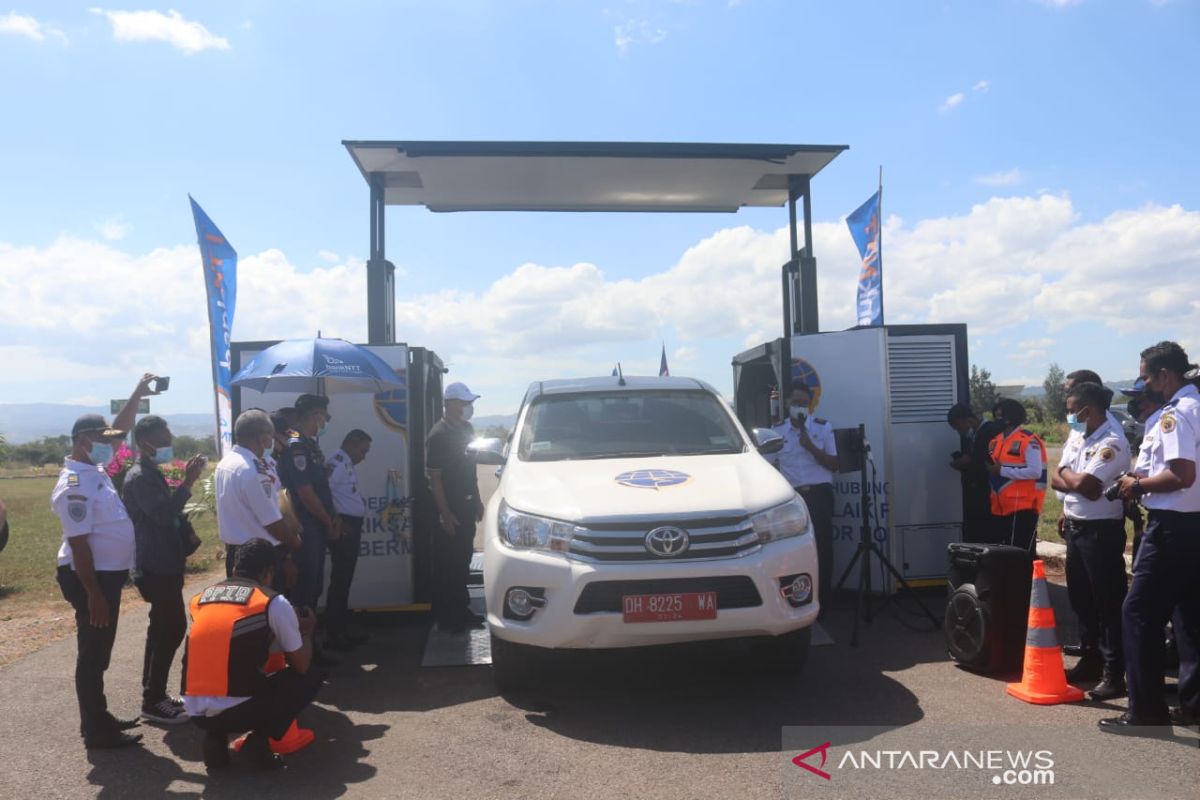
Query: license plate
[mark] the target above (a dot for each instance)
(670, 607)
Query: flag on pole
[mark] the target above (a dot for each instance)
(663, 372)
(866, 230)
(220, 282)
(614, 374)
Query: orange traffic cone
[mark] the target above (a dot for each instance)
(296, 737)
(1044, 679)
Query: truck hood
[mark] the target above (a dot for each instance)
(681, 488)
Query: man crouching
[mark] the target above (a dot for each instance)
(235, 625)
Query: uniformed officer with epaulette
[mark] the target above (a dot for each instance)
(808, 460)
(302, 470)
(1166, 573)
(1018, 479)
(351, 508)
(98, 550)
(1094, 530)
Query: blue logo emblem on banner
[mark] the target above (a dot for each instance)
(865, 227)
(392, 407)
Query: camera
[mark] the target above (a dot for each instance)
(161, 384)
(1114, 491)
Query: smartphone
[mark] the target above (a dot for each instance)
(162, 384)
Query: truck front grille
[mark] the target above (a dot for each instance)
(626, 542)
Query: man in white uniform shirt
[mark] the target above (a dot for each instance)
(248, 492)
(350, 505)
(1166, 574)
(808, 460)
(1094, 531)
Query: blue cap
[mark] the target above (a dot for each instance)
(1138, 387)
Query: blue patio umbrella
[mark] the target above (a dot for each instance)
(318, 366)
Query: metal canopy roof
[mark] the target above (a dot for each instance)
(587, 176)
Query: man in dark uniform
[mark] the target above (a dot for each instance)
(971, 462)
(455, 488)
(302, 471)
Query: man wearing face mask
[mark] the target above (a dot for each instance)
(94, 560)
(164, 541)
(808, 460)
(1166, 574)
(1018, 478)
(455, 487)
(248, 492)
(1094, 531)
(302, 470)
(351, 507)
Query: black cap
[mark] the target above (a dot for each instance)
(279, 419)
(94, 423)
(307, 402)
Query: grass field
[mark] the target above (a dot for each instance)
(28, 563)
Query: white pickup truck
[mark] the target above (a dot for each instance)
(638, 511)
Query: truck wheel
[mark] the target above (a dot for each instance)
(514, 666)
(786, 654)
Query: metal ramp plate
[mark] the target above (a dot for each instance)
(820, 636)
(469, 648)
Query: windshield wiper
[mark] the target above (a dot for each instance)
(640, 454)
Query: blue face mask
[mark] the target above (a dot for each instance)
(164, 455)
(101, 453)
(1074, 424)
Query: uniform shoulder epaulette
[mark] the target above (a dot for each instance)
(820, 421)
(72, 477)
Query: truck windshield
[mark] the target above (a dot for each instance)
(627, 425)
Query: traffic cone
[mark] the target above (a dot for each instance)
(296, 737)
(1044, 679)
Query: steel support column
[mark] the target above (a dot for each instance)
(381, 290)
(810, 322)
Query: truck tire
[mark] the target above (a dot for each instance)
(786, 654)
(514, 666)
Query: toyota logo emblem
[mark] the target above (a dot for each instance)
(667, 542)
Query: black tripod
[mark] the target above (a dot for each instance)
(861, 449)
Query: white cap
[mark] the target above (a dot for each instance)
(459, 391)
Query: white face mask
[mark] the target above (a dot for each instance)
(468, 412)
(798, 412)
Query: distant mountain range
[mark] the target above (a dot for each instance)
(23, 422)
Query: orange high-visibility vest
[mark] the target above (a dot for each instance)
(1009, 495)
(229, 640)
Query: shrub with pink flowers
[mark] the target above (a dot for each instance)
(125, 457)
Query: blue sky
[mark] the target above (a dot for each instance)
(1039, 163)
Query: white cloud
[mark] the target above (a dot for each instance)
(154, 26)
(952, 102)
(29, 27)
(1019, 268)
(112, 229)
(636, 31)
(1009, 177)
(981, 86)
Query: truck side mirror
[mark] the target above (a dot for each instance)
(767, 441)
(486, 451)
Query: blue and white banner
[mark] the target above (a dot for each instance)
(865, 227)
(220, 282)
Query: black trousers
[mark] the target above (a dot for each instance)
(1166, 578)
(1096, 586)
(168, 626)
(271, 711)
(343, 558)
(819, 499)
(94, 647)
(978, 525)
(1018, 530)
(310, 567)
(452, 569)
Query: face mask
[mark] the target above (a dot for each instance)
(797, 412)
(164, 455)
(101, 453)
(1074, 424)
(468, 412)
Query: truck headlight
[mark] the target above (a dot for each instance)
(529, 532)
(781, 522)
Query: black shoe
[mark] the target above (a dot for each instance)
(1088, 669)
(1078, 650)
(1185, 718)
(454, 628)
(124, 724)
(322, 660)
(111, 740)
(216, 750)
(1127, 723)
(473, 620)
(1108, 689)
(258, 751)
